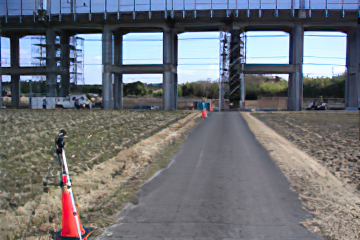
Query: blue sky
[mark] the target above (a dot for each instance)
(324, 54)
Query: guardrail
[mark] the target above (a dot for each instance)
(21, 8)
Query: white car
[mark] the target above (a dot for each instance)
(69, 102)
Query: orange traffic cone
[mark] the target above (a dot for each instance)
(203, 113)
(69, 218)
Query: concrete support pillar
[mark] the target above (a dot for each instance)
(352, 82)
(118, 60)
(234, 73)
(1, 91)
(295, 91)
(242, 91)
(169, 37)
(50, 63)
(65, 64)
(107, 59)
(1, 96)
(175, 100)
(15, 63)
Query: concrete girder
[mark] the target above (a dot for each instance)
(138, 69)
(28, 71)
(269, 68)
(185, 25)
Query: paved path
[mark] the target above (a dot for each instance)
(222, 185)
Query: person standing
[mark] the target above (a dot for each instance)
(76, 104)
(44, 103)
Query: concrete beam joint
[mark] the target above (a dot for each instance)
(30, 71)
(134, 69)
(269, 68)
(170, 68)
(352, 70)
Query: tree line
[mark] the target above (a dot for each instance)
(255, 86)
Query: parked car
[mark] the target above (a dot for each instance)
(146, 107)
(322, 106)
(69, 102)
(313, 106)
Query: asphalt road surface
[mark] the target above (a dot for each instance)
(222, 185)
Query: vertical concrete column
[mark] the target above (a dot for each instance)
(168, 75)
(118, 60)
(1, 91)
(15, 63)
(65, 63)
(295, 90)
(242, 90)
(1, 96)
(175, 59)
(50, 63)
(352, 82)
(107, 58)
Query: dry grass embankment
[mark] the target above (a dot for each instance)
(331, 138)
(101, 187)
(334, 205)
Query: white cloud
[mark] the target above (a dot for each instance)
(213, 67)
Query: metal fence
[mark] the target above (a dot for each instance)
(58, 7)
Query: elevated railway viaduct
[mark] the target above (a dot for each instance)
(114, 18)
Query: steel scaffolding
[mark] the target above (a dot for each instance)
(38, 57)
(242, 67)
(224, 67)
(232, 63)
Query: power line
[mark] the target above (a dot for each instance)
(213, 38)
(181, 64)
(325, 64)
(269, 57)
(216, 64)
(304, 57)
(324, 57)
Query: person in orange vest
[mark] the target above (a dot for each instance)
(203, 109)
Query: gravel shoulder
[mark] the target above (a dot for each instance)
(333, 204)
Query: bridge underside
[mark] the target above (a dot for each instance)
(114, 25)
